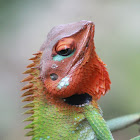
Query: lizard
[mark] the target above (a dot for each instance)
(66, 79)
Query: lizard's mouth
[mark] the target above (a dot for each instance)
(78, 100)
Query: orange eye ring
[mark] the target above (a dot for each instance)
(65, 47)
(62, 47)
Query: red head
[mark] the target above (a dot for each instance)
(70, 65)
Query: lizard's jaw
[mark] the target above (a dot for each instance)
(78, 100)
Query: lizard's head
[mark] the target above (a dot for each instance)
(70, 67)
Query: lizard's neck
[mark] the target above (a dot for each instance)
(50, 121)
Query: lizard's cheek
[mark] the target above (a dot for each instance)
(63, 90)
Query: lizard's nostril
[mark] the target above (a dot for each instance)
(53, 76)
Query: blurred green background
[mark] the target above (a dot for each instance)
(24, 25)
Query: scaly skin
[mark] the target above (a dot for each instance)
(66, 79)
(53, 122)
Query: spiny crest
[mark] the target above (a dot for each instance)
(30, 89)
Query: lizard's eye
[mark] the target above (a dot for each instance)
(65, 46)
(64, 49)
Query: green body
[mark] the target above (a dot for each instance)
(51, 123)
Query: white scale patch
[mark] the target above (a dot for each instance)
(64, 82)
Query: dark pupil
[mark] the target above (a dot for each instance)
(65, 52)
(54, 76)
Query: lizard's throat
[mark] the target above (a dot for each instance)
(78, 100)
